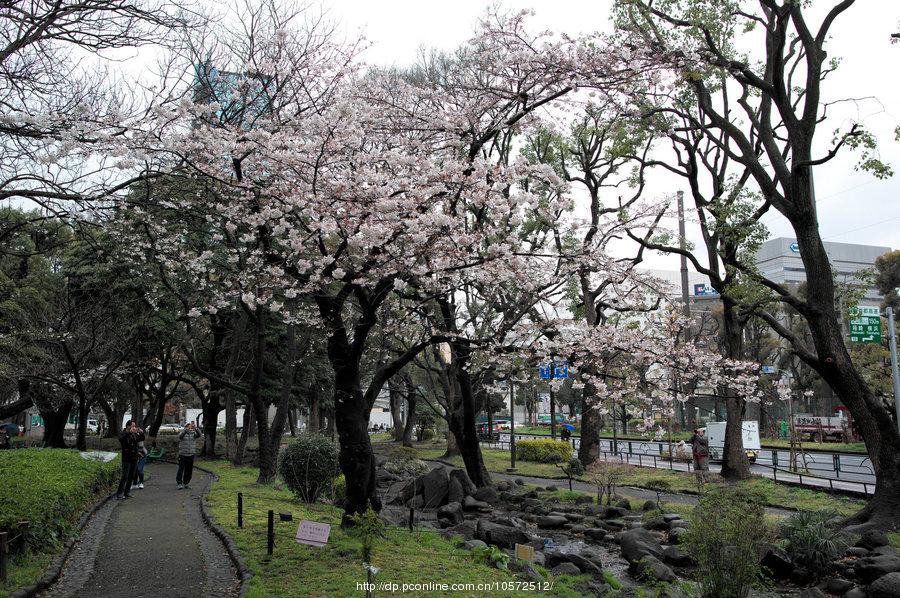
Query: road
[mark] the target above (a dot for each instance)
(824, 469)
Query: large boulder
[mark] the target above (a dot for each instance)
(886, 586)
(503, 536)
(435, 486)
(595, 534)
(624, 504)
(873, 539)
(384, 478)
(486, 494)
(811, 593)
(464, 480)
(656, 524)
(614, 513)
(466, 530)
(470, 504)
(870, 568)
(584, 565)
(649, 567)
(677, 535)
(776, 560)
(455, 492)
(551, 521)
(638, 543)
(565, 568)
(450, 514)
(838, 586)
(674, 556)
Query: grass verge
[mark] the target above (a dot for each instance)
(334, 570)
(775, 495)
(50, 489)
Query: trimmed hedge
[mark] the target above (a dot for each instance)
(543, 450)
(49, 488)
(309, 466)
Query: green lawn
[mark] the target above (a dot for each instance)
(776, 495)
(335, 569)
(50, 489)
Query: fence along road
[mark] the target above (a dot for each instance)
(824, 469)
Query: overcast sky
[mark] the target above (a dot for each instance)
(853, 207)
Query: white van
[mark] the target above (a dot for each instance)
(715, 432)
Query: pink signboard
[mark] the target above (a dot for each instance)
(313, 533)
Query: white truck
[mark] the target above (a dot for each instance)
(820, 429)
(715, 432)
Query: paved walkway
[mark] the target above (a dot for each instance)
(154, 544)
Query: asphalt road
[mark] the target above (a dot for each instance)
(823, 468)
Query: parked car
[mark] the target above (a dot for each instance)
(171, 428)
(715, 432)
(93, 426)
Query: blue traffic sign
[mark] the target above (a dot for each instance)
(556, 369)
(545, 371)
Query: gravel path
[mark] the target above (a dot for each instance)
(154, 544)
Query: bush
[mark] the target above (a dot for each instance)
(49, 488)
(309, 465)
(811, 541)
(339, 490)
(726, 533)
(402, 462)
(543, 450)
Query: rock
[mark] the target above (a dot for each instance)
(502, 486)
(566, 568)
(650, 567)
(886, 586)
(838, 586)
(595, 534)
(383, 477)
(539, 558)
(648, 505)
(594, 509)
(638, 543)
(857, 551)
(519, 482)
(679, 523)
(624, 504)
(888, 550)
(811, 593)
(455, 492)
(466, 529)
(584, 499)
(551, 488)
(435, 485)
(511, 497)
(473, 544)
(470, 504)
(801, 576)
(531, 494)
(380, 460)
(551, 521)
(674, 556)
(574, 517)
(870, 568)
(614, 513)
(677, 535)
(528, 570)
(530, 504)
(450, 514)
(509, 521)
(487, 494)
(856, 592)
(416, 502)
(656, 524)
(464, 480)
(873, 539)
(285, 516)
(503, 536)
(584, 565)
(410, 489)
(670, 517)
(614, 525)
(592, 588)
(775, 560)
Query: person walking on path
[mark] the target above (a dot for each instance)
(187, 448)
(139, 470)
(130, 438)
(700, 444)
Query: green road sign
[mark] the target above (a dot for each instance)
(866, 329)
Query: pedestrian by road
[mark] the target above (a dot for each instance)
(130, 439)
(139, 470)
(700, 444)
(187, 448)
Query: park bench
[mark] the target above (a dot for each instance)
(156, 454)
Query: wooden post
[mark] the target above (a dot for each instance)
(4, 548)
(240, 509)
(412, 518)
(271, 533)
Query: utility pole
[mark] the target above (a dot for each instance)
(895, 374)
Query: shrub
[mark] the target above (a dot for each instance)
(606, 475)
(49, 488)
(725, 537)
(309, 465)
(543, 450)
(402, 462)
(811, 541)
(339, 490)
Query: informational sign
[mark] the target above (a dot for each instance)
(768, 369)
(865, 324)
(313, 533)
(545, 371)
(795, 247)
(555, 369)
(524, 552)
(703, 290)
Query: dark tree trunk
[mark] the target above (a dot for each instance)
(211, 406)
(55, 418)
(409, 429)
(81, 438)
(735, 465)
(396, 402)
(282, 411)
(315, 416)
(292, 421)
(469, 448)
(589, 447)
